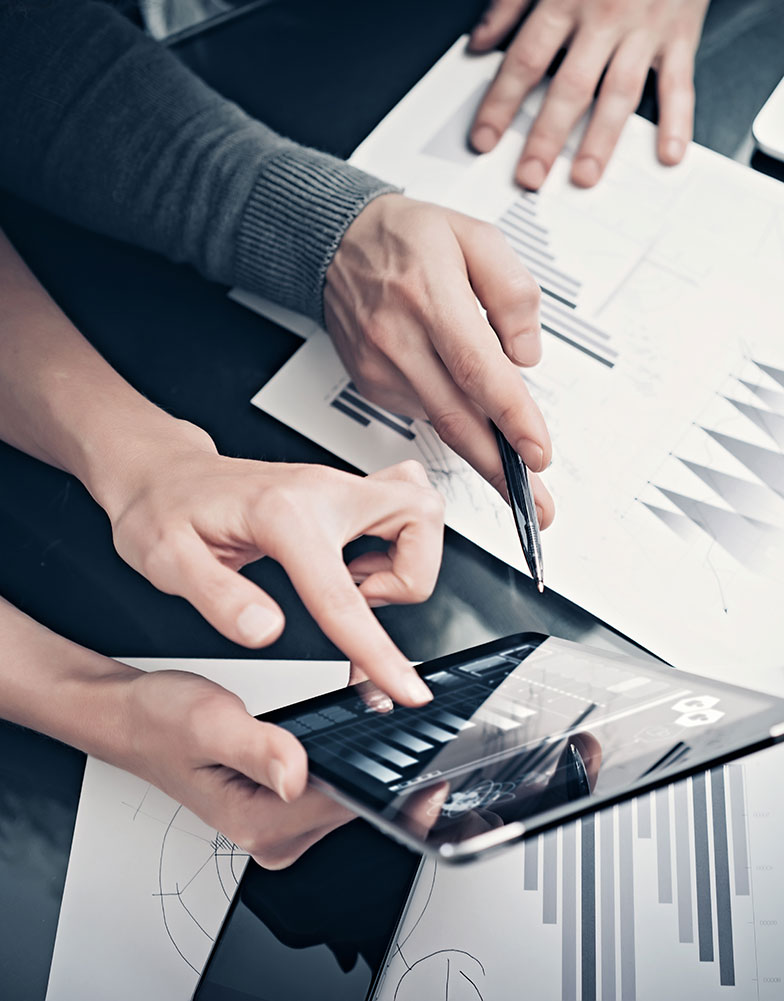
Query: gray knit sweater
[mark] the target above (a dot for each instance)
(102, 125)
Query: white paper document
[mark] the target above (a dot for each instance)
(677, 894)
(148, 883)
(662, 381)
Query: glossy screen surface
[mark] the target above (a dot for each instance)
(516, 732)
(317, 931)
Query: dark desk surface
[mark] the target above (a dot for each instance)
(324, 74)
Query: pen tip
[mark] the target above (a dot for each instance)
(540, 587)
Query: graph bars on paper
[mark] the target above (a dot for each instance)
(349, 402)
(586, 874)
(521, 225)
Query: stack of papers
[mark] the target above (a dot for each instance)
(662, 381)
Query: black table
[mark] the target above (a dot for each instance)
(325, 74)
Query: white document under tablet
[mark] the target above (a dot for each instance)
(662, 381)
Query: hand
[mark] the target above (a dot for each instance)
(621, 39)
(188, 519)
(401, 306)
(197, 742)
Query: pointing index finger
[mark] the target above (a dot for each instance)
(324, 583)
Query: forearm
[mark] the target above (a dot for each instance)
(56, 687)
(105, 127)
(61, 402)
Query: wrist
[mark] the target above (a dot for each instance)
(133, 457)
(55, 686)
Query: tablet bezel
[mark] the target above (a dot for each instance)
(761, 730)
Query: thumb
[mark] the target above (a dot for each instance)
(504, 287)
(228, 601)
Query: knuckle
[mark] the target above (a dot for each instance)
(469, 369)
(487, 232)
(626, 82)
(201, 717)
(676, 78)
(420, 591)
(510, 414)
(413, 471)
(608, 12)
(451, 426)
(526, 60)
(278, 501)
(377, 332)
(340, 600)
(576, 83)
(431, 505)
(164, 555)
(524, 287)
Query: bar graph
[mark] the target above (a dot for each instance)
(678, 893)
(522, 226)
(697, 833)
(525, 231)
(349, 401)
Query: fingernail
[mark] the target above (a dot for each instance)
(418, 691)
(531, 174)
(439, 797)
(483, 138)
(377, 603)
(359, 578)
(673, 150)
(380, 703)
(532, 454)
(524, 347)
(277, 776)
(586, 171)
(255, 623)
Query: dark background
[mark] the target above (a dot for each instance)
(324, 73)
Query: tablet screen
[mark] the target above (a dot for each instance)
(523, 730)
(317, 931)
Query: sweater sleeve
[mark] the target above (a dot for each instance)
(105, 127)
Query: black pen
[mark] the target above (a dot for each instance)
(521, 499)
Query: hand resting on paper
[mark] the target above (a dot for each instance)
(611, 44)
(401, 307)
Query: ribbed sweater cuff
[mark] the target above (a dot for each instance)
(299, 208)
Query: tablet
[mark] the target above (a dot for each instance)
(317, 931)
(768, 127)
(523, 734)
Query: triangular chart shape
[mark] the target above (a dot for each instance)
(750, 499)
(679, 524)
(766, 465)
(751, 543)
(771, 424)
(775, 373)
(770, 397)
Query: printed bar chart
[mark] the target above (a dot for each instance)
(530, 240)
(590, 868)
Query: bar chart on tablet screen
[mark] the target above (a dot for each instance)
(677, 892)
